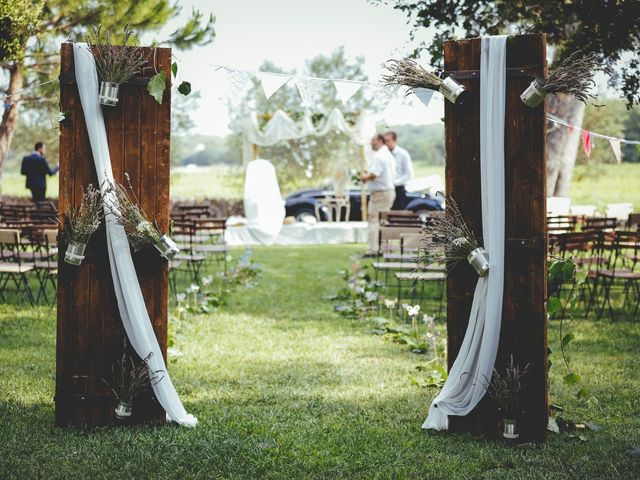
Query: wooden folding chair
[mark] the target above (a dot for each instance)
(12, 266)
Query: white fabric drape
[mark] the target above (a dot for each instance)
(474, 364)
(125, 282)
(282, 127)
(263, 204)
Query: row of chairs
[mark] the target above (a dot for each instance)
(610, 260)
(400, 243)
(574, 223)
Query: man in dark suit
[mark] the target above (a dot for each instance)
(36, 169)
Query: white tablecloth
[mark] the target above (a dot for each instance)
(303, 234)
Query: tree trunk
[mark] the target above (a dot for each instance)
(10, 114)
(562, 143)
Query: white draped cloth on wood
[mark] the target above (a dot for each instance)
(133, 310)
(282, 127)
(263, 204)
(473, 366)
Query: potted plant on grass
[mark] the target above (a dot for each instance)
(115, 63)
(505, 388)
(80, 222)
(123, 205)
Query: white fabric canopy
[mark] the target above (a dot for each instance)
(263, 204)
(125, 282)
(474, 364)
(282, 127)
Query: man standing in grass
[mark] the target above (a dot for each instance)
(36, 169)
(381, 171)
(404, 169)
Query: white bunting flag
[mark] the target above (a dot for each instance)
(310, 90)
(272, 82)
(346, 90)
(424, 94)
(615, 146)
(239, 81)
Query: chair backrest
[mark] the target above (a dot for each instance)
(10, 244)
(633, 221)
(619, 211)
(604, 223)
(561, 223)
(389, 237)
(9, 236)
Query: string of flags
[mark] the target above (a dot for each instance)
(587, 136)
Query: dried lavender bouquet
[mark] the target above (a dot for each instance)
(115, 63)
(573, 76)
(449, 240)
(408, 73)
(81, 221)
(124, 206)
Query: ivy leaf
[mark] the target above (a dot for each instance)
(566, 340)
(572, 379)
(583, 393)
(174, 69)
(185, 88)
(156, 85)
(567, 271)
(554, 305)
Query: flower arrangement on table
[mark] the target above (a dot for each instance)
(115, 63)
(449, 241)
(124, 206)
(573, 76)
(408, 73)
(79, 222)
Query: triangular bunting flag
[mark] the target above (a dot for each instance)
(310, 90)
(239, 81)
(272, 82)
(586, 142)
(346, 90)
(424, 94)
(615, 146)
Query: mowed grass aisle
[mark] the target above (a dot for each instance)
(285, 388)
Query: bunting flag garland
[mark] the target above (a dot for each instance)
(271, 82)
(586, 142)
(346, 89)
(615, 146)
(239, 81)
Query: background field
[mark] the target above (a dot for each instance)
(597, 185)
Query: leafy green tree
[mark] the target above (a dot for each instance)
(608, 28)
(609, 120)
(31, 31)
(631, 153)
(310, 160)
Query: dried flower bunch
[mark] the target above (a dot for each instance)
(448, 238)
(505, 388)
(408, 73)
(81, 221)
(574, 76)
(115, 63)
(129, 380)
(123, 205)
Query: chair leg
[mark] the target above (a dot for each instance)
(27, 290)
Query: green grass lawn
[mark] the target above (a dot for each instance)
(598, 186)
(285, 388)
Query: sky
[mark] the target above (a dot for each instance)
(288, 32)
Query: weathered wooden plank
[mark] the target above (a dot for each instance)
(90, 333)
(523, 332)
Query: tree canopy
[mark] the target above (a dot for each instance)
(610, 28)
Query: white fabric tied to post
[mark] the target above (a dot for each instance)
(133, 310)
(474, 364)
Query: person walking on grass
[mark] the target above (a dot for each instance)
(379, 178)
(404, 169)
(36, 168)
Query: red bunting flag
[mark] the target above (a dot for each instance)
(615, 146)
(586, 142)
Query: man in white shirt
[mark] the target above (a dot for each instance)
(379, 177)
(404, 169)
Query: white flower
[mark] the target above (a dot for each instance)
(390, 302)
(459, 242)
(412, 311)
(371, 296)
(181, 297)
(359, 290)
(207, 280)
(143, 227)
(428, 319)
(193, 288)
(61, 116)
